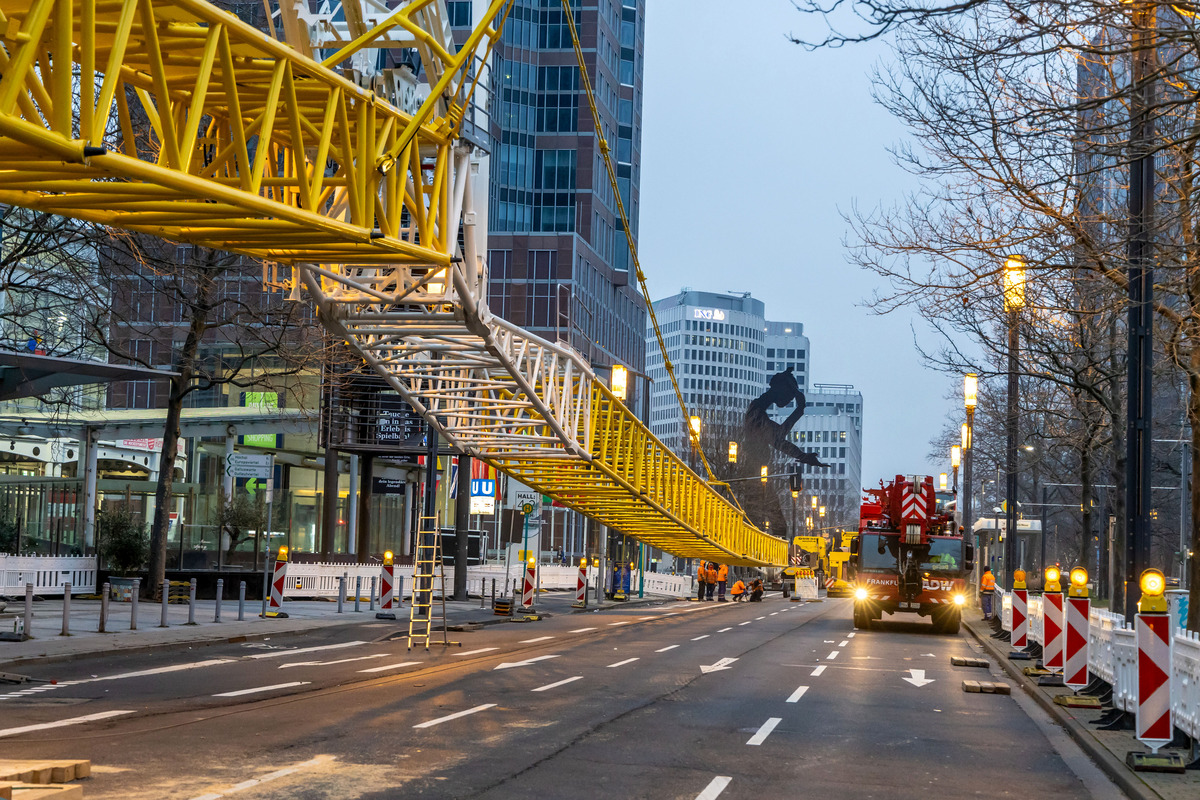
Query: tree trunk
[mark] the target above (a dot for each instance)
(180, 385)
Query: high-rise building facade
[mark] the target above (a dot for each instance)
(831, 428)
(558, 258)
(787, 347)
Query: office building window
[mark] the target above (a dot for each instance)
(554, 198)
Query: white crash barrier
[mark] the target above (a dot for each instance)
(1125, 653)
(48, 574)
(1101, 662)
(1004, 601)
(1036, 631)
(1185, 682)
(321, 580)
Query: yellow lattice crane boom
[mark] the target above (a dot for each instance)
(177, 119)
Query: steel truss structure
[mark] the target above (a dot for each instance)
(175, 118)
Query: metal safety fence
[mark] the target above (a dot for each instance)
(47, 574)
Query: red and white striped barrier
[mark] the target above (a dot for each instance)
(1020, 618)
(530, 583)
(581, 586)
(387, 588)
(1075, 658)
(278, 577)
(1052, 632)
(1153, 625)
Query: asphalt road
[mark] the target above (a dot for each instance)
(682, 700)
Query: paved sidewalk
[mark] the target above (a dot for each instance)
(1107, 748)
(48, 644)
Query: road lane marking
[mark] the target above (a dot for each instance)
(270, 776)
(843, 642)
(257, 689)
(652, 616)
(698, 638)
(764, 731)
(773, 613)
(832, 655)
(622, 663)
(626, 622)
(298, 651)
(724, 629)
(747, 622)
(581, 630)
(475, 652)
(717, 667)
(42, 726)
(555, 685)
(817, 671)
(760, 617)
(538, 639)
(144, 672)
(525, 663)
(796, 695)
(668, 647)
(714, 788)
(850, 635)
(386, 667)
(455, 715)
(331, 663)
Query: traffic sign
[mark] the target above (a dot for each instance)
(527, 508)
(520, 495)
(246, 465)
(483, 496)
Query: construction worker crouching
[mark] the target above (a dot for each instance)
(738, 591)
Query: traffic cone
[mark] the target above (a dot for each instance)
(387, 588)
(278, 577)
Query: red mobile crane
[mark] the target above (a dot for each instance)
(909, 557)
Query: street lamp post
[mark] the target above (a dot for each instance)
(955, 463)
(694, 430)
(970, 400)
(1014, 300)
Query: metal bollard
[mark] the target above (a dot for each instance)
(104, 592)
(482, 591)
(192, 602)
(372, 606)
(220, 591)
(241, 601)
(66, 628)
(341, 592)
(493, 592)
(357, 592)
(133, 603)
(399, 590)
(166, 596)
(29, 611)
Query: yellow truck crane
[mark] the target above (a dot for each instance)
(840, 581)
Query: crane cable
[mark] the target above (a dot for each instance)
(693, 435)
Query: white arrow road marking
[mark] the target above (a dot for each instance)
(817, 671)
(257, 689)
(330, 663)
(720, 665)
(918, 678)
(833, 655)
(622, 663)
(928, 655)
(796, 695)
(296, 652)
(698, 638)
(538, 639)
(555, 685)
(668, 647)
(386, 667)
(714, 788)
(764, 731)
(449, 717)
(525, 663)
(474, 652)
(62, 722)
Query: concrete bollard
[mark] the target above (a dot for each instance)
(217, 607)
(66, 626)
(341, 592)
(104, 592)
(241, 601)
(372, 606)
(192, 602)
(29, 611)
(133, 603)
(166, 597)
(357, 592)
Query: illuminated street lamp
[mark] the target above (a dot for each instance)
(1014, 301)
(822, 511)
(943, 482)
(955, 462)
(762, 474)
(970, 400)
(814, 501)
(694, 422)
(620, 381)
(733, 452)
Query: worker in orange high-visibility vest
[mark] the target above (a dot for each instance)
(712, 581)
(701, 580)
(738, 591)
(987, 585)
(722, 578)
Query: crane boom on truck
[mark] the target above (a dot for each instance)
(909, 557)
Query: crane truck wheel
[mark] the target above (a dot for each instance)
(947, 622)
(862, 620)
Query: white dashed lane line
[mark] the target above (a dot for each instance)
(614, 624)
(42, 726)
(665, 649)
(538, 639)
(386, 667)
(747, 622)
(850, 635)
(258, 689)
(760, 617)
(457, 715)
(796, 695)
(302, 650)
(817, 671)
(832, 655)
(724, 629)
(698, 638)
(622, 663)
(764, 731)
(714, 788)
(843, 642)
(556, 684)
(476, 652)
(581, 630)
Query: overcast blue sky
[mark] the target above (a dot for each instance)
(751, 147)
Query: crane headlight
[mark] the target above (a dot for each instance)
(860, 593)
